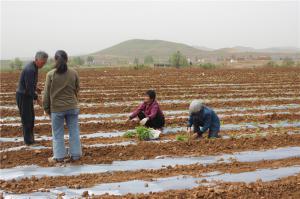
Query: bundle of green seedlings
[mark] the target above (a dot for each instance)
(182, 138)
(141, 132)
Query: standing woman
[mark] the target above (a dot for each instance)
(61, 103)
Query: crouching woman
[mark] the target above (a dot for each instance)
(203, 118)
(61, 103)
(149, 112)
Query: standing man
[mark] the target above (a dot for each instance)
(27, 93)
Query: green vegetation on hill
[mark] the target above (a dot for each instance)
(159, 50)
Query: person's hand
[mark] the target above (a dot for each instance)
(129, 120)
(38, 90)
(144, 121)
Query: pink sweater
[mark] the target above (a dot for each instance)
(150, 110)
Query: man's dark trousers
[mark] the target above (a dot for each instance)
(25, 105)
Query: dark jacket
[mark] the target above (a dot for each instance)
(206, 119)
(28, 80)
(151, 110)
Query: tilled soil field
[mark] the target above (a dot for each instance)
(258, 155)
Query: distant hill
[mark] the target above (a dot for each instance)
(160, 50)
(236, 49)
(280, 50)
(125, 52)
(242, 49)
(204, 48)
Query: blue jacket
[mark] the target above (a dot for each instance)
(206, 119)
(28, 80)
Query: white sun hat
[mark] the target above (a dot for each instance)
(195, 106)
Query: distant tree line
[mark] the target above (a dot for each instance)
(178, 60)
(16, 64)
(148, 60)
(286, 62)
(79, 61)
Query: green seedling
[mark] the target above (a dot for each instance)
(129, 134)
(182, 138)
(143, 133)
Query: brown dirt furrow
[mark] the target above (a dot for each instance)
(288, 187)
(226, 114)
(32, 184)
(142, 150)
(98, 98)
(184, 106)
(172, 136)
(45, 129)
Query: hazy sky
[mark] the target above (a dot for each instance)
(81, 27)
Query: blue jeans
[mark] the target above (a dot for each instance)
(57, 119)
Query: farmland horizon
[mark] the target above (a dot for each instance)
(236, 48)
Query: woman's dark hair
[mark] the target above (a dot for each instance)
(151, 94)
(61, 59)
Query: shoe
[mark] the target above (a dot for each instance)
(29, 143)
(55, 160)
(67, 160)
(75, 158)
(196, 136)
(71, 159)
(213, 137)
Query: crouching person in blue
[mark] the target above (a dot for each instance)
(203, 118)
